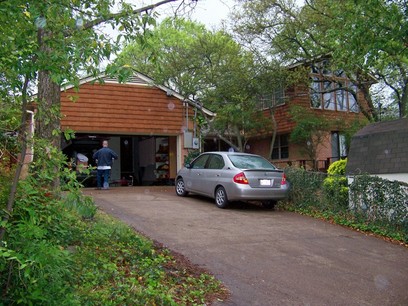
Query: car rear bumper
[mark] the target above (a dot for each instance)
(246, 193)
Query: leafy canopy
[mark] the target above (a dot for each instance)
(205, 65)
(361, 38)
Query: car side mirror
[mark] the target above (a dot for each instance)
(188, 166)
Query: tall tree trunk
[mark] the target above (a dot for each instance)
(48, 121)
(372, 113)
(275, 128)
(48, 125)
(49, 94)
(48, 116)
(237, 133)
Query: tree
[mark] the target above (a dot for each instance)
(362, 38)
(47, 43)
(309, 132)
(207, 66)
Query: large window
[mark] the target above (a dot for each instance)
(332, 90)
(281, 147)
(275, 98)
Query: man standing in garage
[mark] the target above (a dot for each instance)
(104, 159)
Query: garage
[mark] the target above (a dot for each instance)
(149, 126)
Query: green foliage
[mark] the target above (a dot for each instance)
(83, 205)
(117, 266)
(338, 167)
(335, 186)
(205, 65)
(35, 268)
(374, 32)
(336, 191)
(9, 127)
(58, 251)
(380, 202)
(48, 43)
(310, 130)
(377, 206)
(190, 156)
(305, 187)
(39, 272)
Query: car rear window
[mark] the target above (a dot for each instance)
(250, 162)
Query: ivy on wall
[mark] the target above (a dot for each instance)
(368, 204)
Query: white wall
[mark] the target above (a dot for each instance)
(402, 177)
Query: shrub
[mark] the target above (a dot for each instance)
(57, 251)
(380, 202)
(305, 187)
(376, 205)
(338, 167)
(35, 267)
(335, 185)
(190, 156)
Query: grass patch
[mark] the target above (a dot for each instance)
(117, 266)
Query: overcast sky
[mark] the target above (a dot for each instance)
(211, 12)
(208, 12)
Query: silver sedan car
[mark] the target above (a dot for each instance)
(233, 176)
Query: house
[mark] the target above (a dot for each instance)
(150, 127)
(380, 149)
(328, 97)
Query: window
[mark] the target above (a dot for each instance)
(339, 147)
(341, 99)
(250, 162)
(328, 96)
(281, 147)
(275, 98)
(200, 162)
(316, 101)
(216, 162)
(332, 91)
(352, 101)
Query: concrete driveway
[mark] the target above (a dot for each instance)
(266, 257)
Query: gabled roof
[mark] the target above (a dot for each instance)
(380, 148)
(140, 79)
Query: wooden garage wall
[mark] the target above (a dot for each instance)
(122, 108)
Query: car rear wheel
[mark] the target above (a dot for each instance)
(270, 204)
(181, 188)
(221, 199)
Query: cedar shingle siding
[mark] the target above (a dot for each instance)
(380, 148)
(122, 108)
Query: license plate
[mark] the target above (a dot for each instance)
(265, 182)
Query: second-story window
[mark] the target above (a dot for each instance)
(332, 90)
(272, 99)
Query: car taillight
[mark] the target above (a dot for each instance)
(240, 178)
(283, 181)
